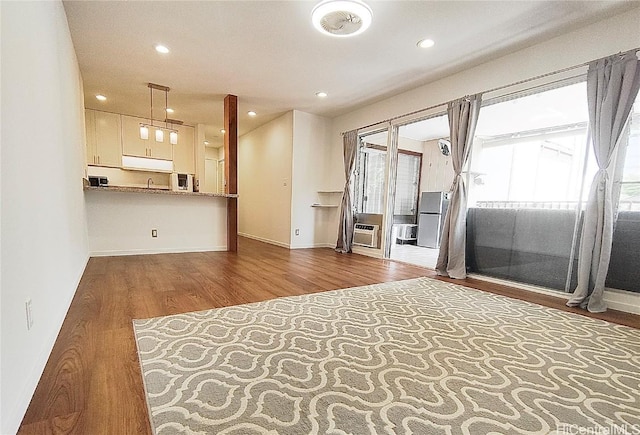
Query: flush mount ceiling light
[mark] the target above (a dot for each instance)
(159, 133)
(341, 17)
(101, 97)
(251, 113)
(426, 43)
(162, 49)
(223, 131)
(169, 110)
(321, 94)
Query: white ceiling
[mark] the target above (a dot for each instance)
(270, 56)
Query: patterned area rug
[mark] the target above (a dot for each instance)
(413, 357)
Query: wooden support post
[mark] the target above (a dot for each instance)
(231, 168)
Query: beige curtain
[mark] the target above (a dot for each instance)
(463, 117)
(612, 86)
(345, 231)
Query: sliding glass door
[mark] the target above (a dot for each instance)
(531, 169)
(423, 176)
(624, 273)
(526, 178)
(370, 190)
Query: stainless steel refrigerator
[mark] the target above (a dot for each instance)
(431, 214)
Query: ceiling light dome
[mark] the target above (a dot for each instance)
(341, 17)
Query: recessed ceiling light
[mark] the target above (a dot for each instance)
(162, 49)
(223, 131)
(169, 110)
(341, 17)
(426, 43)
(206, 142)
(321, 94)
(251, 113)
(101, 97)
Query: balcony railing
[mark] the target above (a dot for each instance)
(550, 205)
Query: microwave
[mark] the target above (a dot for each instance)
(181, 182)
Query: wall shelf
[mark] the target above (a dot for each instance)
(328, 199)
(325, 205)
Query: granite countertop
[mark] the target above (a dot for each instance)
(156, 191)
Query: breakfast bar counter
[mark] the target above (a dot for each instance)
(156, 191)
(139, 220)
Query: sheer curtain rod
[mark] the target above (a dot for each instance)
(499, 88)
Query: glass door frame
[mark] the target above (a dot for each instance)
(370, 130)
(392, 167)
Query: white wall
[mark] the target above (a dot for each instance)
(437, 170)
(264, 181)
(120, 223)
(310, 147)
(603, 38)
(44, 234)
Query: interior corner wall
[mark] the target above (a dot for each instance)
(44, 233)
(603, 38)
(264, 181)
(310, 147)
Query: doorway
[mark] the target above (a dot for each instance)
(423, 177)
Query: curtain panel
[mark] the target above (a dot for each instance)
(612, 86)
(345, 230)
(463, 117)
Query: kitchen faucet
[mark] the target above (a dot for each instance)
(149, 182)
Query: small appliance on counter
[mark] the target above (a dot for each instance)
(181, 182)
(98, 181)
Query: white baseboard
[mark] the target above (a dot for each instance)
(313, 246)
(262, 239)
(620, 300)
(369, 252)
(12, 421)
(156, 251)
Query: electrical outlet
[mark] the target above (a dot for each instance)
(29, 314)
(154, 233)
(297, 231)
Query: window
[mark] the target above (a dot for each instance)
(529, 152)
(370, 190)
(625, 248)
(407, 183)
(630, 183)
(526, 178)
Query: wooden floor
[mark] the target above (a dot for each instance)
(92, 382)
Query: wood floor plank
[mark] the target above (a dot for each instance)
(92, 382)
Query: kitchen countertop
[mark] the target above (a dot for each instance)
(156, 191)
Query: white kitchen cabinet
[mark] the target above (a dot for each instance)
(104, 139)
(184, 157)
(133, 145)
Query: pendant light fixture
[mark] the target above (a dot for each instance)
(159, 132)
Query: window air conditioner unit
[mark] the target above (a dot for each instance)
(365, 235)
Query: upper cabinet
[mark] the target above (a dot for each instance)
(133, 145)
(184, 158)
(110, 136)
(103, 138)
